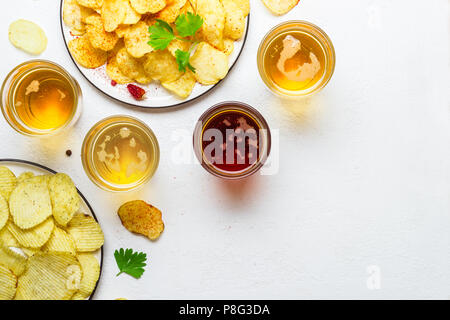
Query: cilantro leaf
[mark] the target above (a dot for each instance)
(182, 58)
(161, 34)
(130, 262)
(188, 24)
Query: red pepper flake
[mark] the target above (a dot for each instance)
(113, 83)
(136, 91)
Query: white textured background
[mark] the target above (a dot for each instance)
(364, 167)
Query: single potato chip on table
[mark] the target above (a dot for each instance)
(8, 283)
(30, 203)
(86, 232)
(98, 36)
(140, 217)
(12, 260)
(34, 237)
(64, 198)
(280, 7)
(28, 36)
(8, 182)
(85, 54)
(211, 65)
(49, 276)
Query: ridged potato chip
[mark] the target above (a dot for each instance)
(28, 36)
(99, 38)
(8, 283)
(211, 65)
(140, 217)
(161, 65)
(213, 21)
(29, 251)
(94, 4)
(136, 39)
(170, 13)
(148, 6)
(64, 198)
(12, 260)
(29, 203)
(8, 182)
(4, 211)
(113, 14)
(183, 86)
(131, 67)
(24, 176)
(35, 237)
(49, 276)
(131, 16)
(85, 54)
(91, 273)
(234, 20)
(8, 239)
(60, 241)
(280, 7)
(86, 232)
(77, 296)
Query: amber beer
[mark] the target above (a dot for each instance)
(295, 59)
(40, 98)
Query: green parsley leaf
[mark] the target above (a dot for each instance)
(182, 58)
(188, 24)
(161, 34)
(130, 262)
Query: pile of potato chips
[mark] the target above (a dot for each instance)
(115, 32)
(46, 244)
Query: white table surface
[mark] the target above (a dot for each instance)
(363, 181)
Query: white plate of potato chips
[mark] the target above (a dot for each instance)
(50, 240)
(109, 43)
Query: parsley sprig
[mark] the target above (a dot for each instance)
(162, 34)
(130, 262)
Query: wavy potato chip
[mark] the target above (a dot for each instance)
(86, 232)
(161, 65)
(29, 203)
(77, 296)
(8, 182)
(34, 237)
(4, 211)
(113, 71)
(148, 6)
(131, 67)
(183, 86)
(49, 276)
(234, 20)
(94, 4)
(8, 283)
(8, 239)
(72, 16)
(280, 7)
(99, 38)
(28, 36)
(228, 46)
(136, 39)
(178, 45)
(113, 14)
(85, 54)
(30, 251)
(131, 16)
(211, 65)
(12, 260)
(140, 217)
(171, 11)
(64, 198)
(213, 15)
(120, 31)
(60, 241)
(24, 176)
(91, 273)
